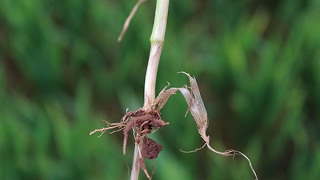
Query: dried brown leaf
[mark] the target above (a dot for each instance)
(199, 113)
(163, 97)
(196, 106)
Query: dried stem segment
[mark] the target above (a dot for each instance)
(128, 20)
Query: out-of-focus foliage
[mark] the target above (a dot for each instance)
(62, 71)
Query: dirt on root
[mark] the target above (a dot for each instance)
(150, 148)
(143, 123)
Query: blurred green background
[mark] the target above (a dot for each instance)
(62, 72)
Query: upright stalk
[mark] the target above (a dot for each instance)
(157, 40)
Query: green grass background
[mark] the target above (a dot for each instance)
(62, 72)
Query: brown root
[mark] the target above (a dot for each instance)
(233, 153)
(197, 149)
(143, 123)
(143, 167)
(120, 127)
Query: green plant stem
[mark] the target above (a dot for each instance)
(157, 40)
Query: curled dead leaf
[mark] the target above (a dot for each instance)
(198, 112)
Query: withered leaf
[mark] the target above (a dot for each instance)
(198, 111)
(194, 101)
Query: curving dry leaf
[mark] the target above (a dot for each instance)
(196, 107)
(198, 112)
(163, 97)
